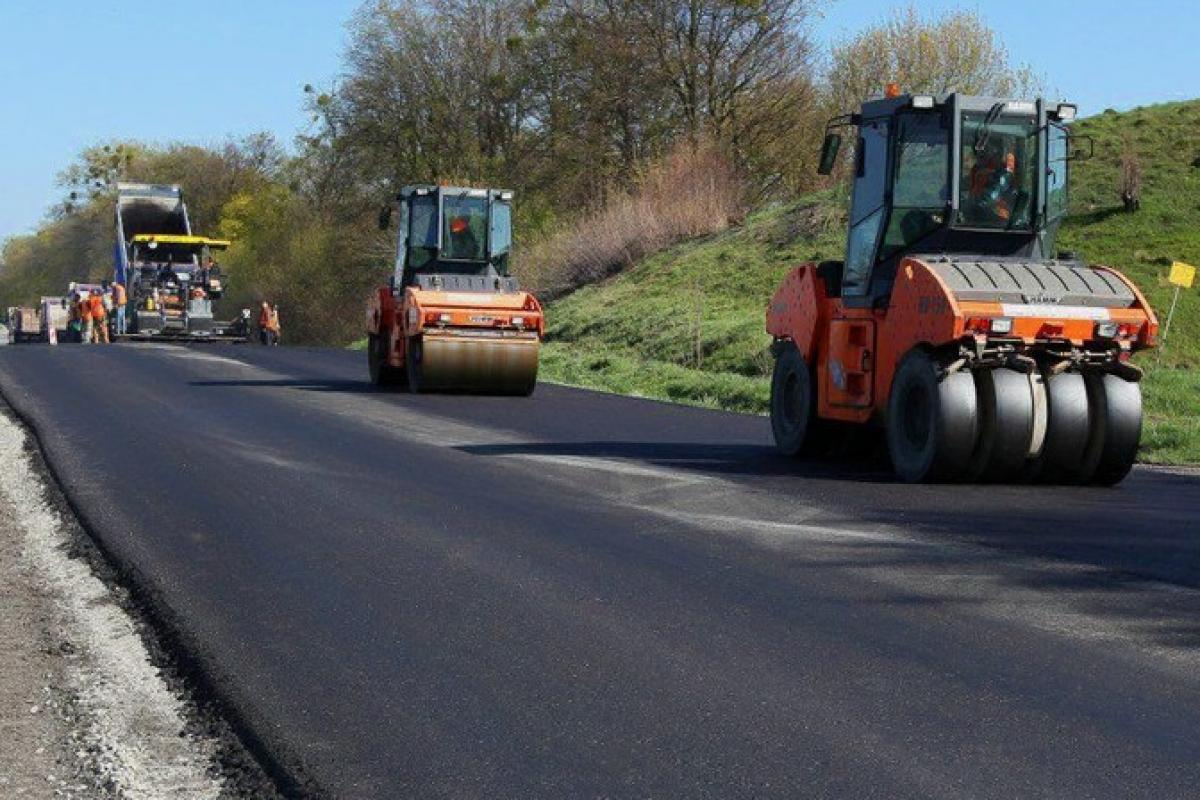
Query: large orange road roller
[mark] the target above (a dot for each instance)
(952, 322)
(451, 317)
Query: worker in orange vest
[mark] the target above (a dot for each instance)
(99, 317)
(85, 318)
(264, 323)
(993, 182)
(274, 327)
(120, 298)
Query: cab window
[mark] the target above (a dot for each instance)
(867, 208)
(501, 235)
(999, 171)
(464, 237)
(1058, 145)
(921, 188)
(423, 239)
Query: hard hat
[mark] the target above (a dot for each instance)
(458, 225)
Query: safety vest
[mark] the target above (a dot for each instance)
(119, 296)
(989, 181)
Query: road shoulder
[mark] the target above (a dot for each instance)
(86, 706)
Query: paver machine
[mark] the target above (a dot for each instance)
(451, 318)
(952, 321)
(168, 271)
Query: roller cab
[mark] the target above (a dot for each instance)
(452, 318)
(952, 321)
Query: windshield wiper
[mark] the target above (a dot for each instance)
(985, 128)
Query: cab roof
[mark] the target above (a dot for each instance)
(471, 191)
(886, 106)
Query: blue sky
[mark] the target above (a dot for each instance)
(76, 72)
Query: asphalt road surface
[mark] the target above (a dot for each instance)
(583, 595)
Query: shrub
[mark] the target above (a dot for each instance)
(694, 191)
(1130, 178)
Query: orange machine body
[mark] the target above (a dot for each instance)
(857, 350)
(433, 314)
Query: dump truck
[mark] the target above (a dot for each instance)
(56, 316)
(24, 324)
(451, 318)
(952, 321)
(168, 272)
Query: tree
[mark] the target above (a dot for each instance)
(76, 241)
(956, 52)
(715, 53)
(432, 91)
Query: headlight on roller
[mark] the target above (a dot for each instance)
(1106, 330)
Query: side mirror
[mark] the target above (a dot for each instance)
(385, 217)
(1084, 147)
(829, 153)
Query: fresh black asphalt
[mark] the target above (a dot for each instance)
(584, 595)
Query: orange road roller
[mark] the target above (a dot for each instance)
(451, 318)
(952, 321)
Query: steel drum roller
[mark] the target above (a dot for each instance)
(479, 364)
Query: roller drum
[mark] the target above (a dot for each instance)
(477, 364)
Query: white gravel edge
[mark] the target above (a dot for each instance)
(134, 725)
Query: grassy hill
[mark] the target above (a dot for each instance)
(686, 324)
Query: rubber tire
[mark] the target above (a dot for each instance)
(381, 374)
(1068, 429)
(932, 424)
(793, 401)
(412, 364)
(1116, 407)
(801, 432)
(1005, 425)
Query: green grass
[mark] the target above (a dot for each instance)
(624, 374)
(1167, 228)
(700, 304)
(686, 324)
(1172, 425)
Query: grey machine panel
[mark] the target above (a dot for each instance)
(1066, 283)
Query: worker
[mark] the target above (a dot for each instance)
(84, 307)
(463, 243)
(264, 323)
(276, 331)
(99, 318)
(120, 299)
(74, 321)
(993, 182)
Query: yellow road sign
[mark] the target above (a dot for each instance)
(1182, 274)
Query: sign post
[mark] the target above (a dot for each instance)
(1182, 275)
